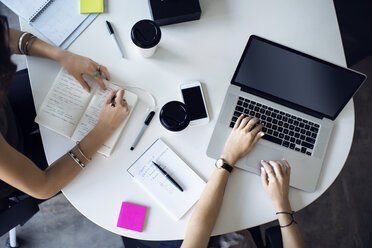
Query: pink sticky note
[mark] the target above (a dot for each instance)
(131, 216)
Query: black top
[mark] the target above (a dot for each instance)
(295, 79)
(146, 34)
(173, 116)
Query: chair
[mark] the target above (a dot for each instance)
(16, 210)
(135, 243)
(273, 237)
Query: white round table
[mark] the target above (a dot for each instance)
(207, 50)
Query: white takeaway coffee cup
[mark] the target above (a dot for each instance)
(146, 36)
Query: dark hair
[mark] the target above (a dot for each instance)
(7, 67)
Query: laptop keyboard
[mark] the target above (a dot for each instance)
(279, 127)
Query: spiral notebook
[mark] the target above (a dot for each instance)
(59, 21)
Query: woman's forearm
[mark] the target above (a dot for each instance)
(14, 36)
(240, 141)
(291, 235)
(206, 211)
(39, 48)
(74, 64)
(36, 47)
(63, 170)
(27, 177)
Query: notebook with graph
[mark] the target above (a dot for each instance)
(59, 21)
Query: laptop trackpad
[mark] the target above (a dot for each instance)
(252, 162)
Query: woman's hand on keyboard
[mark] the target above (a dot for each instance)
(275, 180)
(242, 139)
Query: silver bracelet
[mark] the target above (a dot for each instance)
(20, 41)
(28, 43)
(82, 165)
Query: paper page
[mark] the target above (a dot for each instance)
(78, 31)
(92, 113)
(64, 104)
(25, 9)
(59, 20)
(177, 203)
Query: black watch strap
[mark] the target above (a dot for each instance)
(227, 167)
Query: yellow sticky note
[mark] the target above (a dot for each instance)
(91, 6)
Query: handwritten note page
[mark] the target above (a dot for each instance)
(73, 112)
(177, 203)
(92, 113)
(64, 105)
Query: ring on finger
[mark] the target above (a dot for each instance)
(96, 73)
(250, 125)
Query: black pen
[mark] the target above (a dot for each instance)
(112, 33)
(146, 124)
(168, 177)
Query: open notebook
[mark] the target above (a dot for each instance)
(73, 112)
(59, 21)
(175, 202)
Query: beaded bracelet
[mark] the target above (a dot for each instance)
(292, 218)
(82, 165)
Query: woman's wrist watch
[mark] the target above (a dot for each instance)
(221, 164)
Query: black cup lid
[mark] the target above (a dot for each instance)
(173, 116)
(146, 34)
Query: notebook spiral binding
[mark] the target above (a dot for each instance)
(42, 8)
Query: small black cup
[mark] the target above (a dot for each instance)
(173, 116)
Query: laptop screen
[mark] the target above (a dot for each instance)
(295, 79)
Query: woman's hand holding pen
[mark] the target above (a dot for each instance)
(113, 113)
(77, 65)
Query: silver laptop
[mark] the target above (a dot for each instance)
(296, 96)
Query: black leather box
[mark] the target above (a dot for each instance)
(165, 12)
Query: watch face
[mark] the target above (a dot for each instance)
(219, 163)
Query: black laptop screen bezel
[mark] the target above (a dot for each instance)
(283, 101)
